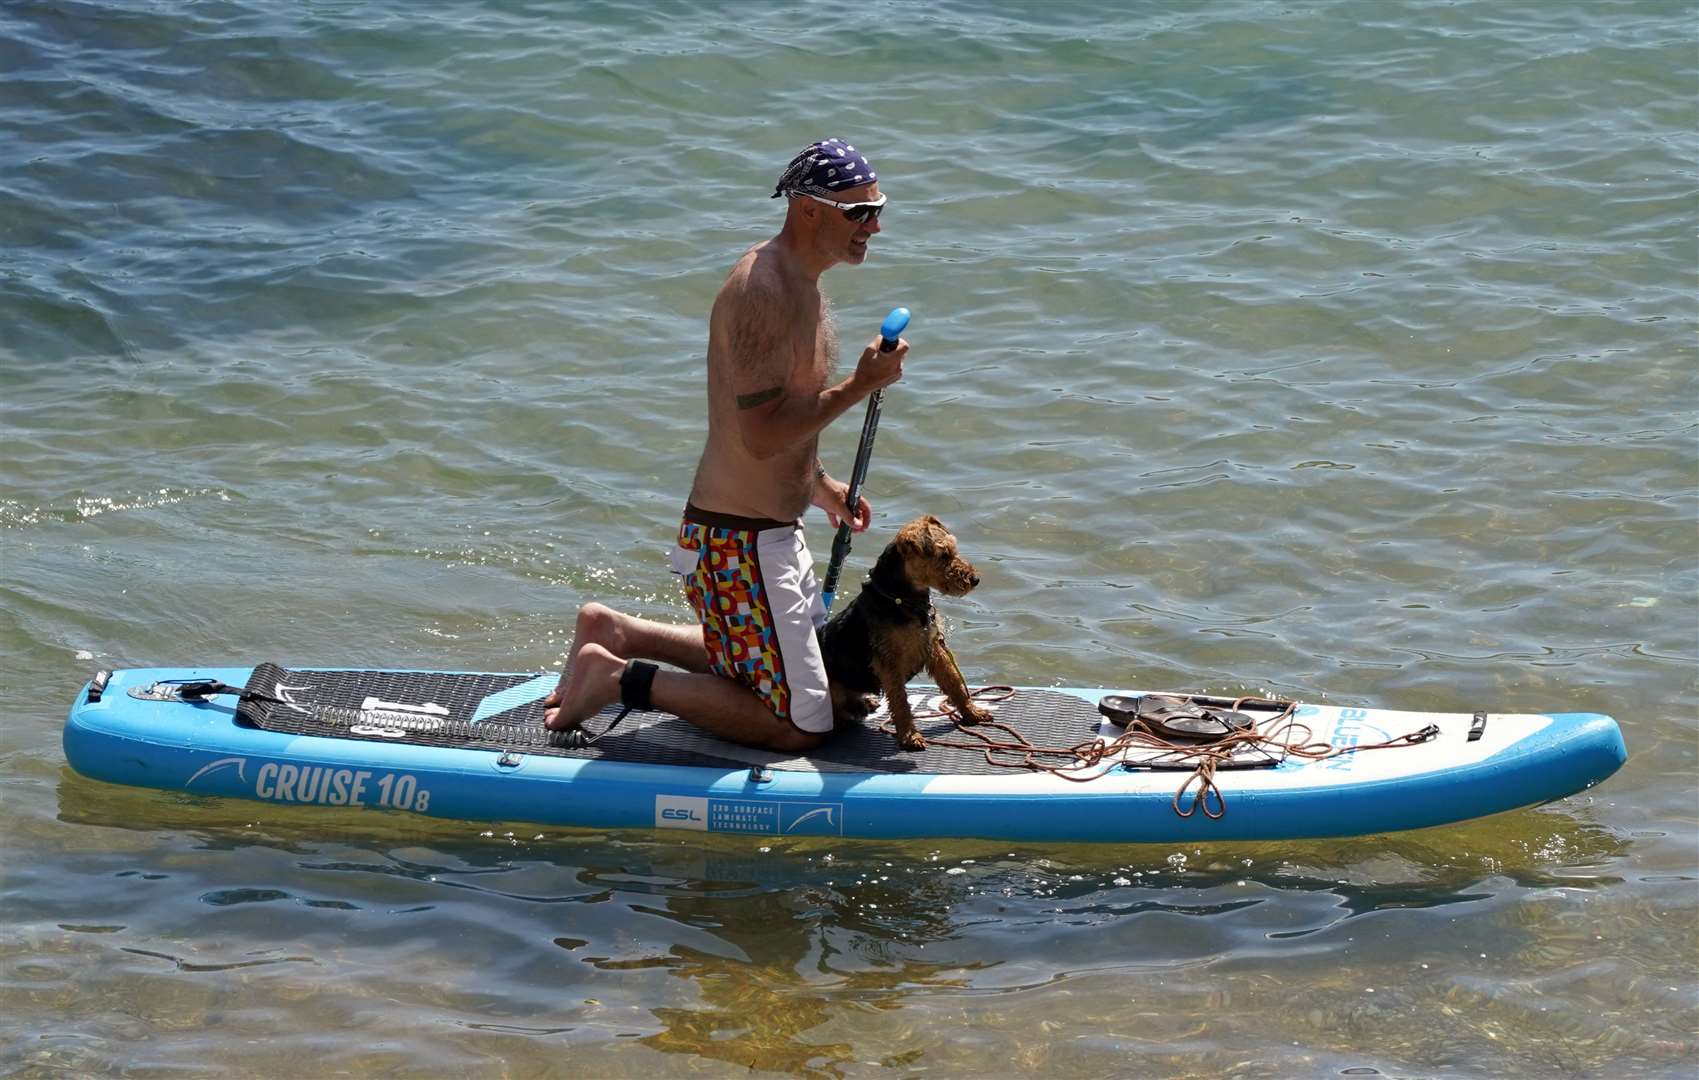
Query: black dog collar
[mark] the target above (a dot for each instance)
(909, 604)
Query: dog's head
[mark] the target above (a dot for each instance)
(930, 559)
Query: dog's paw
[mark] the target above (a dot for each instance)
(973, 714)
(911, 740)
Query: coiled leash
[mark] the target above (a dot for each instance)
(1180, 728)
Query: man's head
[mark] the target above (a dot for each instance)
(834, 200)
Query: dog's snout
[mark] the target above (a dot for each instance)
(973, 578)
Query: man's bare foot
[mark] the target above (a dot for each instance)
(589, 685)
(597, 624)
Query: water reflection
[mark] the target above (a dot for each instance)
(810, 956)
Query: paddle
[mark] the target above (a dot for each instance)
(889, 330)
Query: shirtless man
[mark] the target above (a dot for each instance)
(752, 669)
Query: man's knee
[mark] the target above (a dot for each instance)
(810, 720)
(811, 706)
(794, 740)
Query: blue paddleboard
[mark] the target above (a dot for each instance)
(471, 746)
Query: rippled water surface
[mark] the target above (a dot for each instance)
(1343, 351)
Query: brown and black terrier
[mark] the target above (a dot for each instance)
(889, 633)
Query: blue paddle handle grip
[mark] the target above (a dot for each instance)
(893, 326)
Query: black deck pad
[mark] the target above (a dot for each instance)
(504, 713)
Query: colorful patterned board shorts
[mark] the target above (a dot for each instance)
(751, 583)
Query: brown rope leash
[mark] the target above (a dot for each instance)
(1086, 759)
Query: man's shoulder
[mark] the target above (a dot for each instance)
(758, 276)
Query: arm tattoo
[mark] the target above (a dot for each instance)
(759, 355)
(760, 397)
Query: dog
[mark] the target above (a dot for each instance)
(889, 633)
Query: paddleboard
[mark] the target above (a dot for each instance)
(472, 746)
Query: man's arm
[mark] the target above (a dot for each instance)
(771, 415)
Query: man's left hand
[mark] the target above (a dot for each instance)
(832, 496)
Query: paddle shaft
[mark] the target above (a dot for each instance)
(858, 475)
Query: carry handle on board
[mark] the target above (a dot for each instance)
(889, 331)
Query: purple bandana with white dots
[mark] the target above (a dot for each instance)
(825, 168)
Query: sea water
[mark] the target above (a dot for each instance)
(1335, 350)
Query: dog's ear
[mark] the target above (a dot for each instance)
(921, 537)
(937, 537)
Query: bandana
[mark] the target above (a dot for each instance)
(825, 168)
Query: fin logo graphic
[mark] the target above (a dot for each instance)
(286, 694)
(817, 819)
(221, 763)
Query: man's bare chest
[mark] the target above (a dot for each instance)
(800, 348)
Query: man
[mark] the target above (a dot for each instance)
(752, 668)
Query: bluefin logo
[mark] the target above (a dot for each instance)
(1351, 731)
(221, 763)
(812, 819)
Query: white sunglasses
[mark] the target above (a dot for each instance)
(855, 211)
